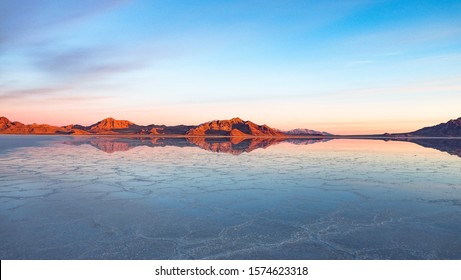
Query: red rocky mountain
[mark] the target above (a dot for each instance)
(111, 124)
(233, 127)
(8, 127)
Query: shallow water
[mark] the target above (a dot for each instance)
(67, 197)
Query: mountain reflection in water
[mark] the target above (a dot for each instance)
(237, 145)
(448, 145)
(234, 145)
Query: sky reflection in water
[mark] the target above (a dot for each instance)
(109, 198)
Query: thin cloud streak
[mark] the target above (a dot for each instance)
(76, 68)
(22, 20)
(88, 62)
(63, 93)
(33, 93)
(403, 38)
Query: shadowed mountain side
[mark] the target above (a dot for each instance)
(234, 145)
(452, 128)
(147, 130)
(451, 146)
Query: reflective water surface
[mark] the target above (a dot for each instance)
(67, 197)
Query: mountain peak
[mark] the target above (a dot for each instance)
(4, 123)
(236, 120)
(111, 123)
(4, 120)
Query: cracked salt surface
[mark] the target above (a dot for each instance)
(342, 199)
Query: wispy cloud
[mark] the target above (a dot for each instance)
(28, 31)
(397, 40)
(33, 92)
(21, 21)
(48, 94)
(90, 62)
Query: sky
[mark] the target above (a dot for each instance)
(345, 67)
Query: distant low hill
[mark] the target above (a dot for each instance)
(105, 126)
(8, 127)
(452, 128)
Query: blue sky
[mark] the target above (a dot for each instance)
(339, 66)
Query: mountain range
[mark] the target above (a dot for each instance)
(234, 127)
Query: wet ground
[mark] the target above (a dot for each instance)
(62, 198)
